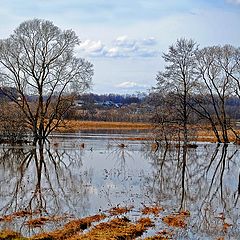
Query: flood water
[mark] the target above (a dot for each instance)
(86, 173)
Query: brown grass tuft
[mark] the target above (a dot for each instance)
(177, 219)
(70, 229)
(152, 210)
(119, 210)
(10, 235)
(116, 229)
(159, 237)
(37, 222)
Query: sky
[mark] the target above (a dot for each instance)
(125, 39)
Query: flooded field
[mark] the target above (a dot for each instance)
(79, 175)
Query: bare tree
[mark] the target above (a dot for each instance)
(38, 62)
(229, 61)
(178, 80)
(216, 87)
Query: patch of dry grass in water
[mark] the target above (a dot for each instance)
(114, 227)
(119, 210)
(70, 229)
(152, 210)
(162, 235)
(177, 219)
(10, 235)
(38, 222)
(18, 214)
(117, 229)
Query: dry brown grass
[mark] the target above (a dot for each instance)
(177, 219)
(201, 133)
(8, 234)
(119, 210)
(204, 133)
(162, 235)
(74, 126)
(118, 228)
(152, 210)
(32, 222)
(37, 222)
(198, 133)
(70, 229)
(157, 238)
(206, 136)
(18, 214)
(113, 226)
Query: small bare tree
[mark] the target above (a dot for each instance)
(38, 62)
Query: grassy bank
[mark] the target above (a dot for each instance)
(74, 126)
(197, 133)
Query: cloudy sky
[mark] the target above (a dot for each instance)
(125, 39)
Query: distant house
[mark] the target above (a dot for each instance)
(108, 103)
(111, 104)
(78, 103)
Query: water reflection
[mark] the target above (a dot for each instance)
(203, 180)
(42, 181)
(81, 180)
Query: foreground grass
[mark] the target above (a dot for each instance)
(113, 225)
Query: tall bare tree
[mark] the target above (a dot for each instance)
(38, 62)
(229, 61)
(179, 79)
(214, 65)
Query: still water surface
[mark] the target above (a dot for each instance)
(87, 173)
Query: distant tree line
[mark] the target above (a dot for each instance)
(89, 97)
(115, 98)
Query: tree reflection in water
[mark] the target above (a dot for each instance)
(43, 181)
(70, 179)
(204, 181)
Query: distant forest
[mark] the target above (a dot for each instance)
(125, 99)
(115, 98)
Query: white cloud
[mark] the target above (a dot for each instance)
(130, 85)
(149, 41)
(121, 47)
(91, 46)
(126, 47)
(124, 41)
(114, 52)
